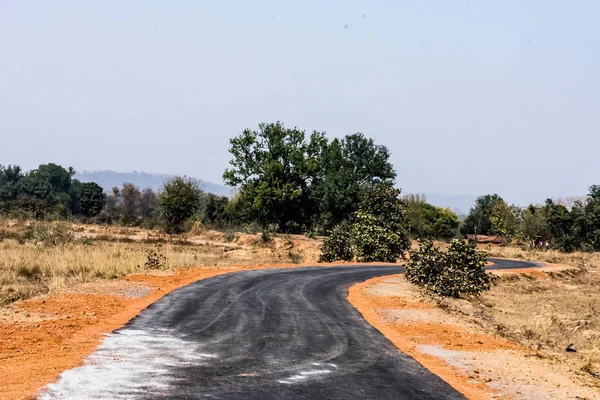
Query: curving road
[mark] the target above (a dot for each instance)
(270, 334)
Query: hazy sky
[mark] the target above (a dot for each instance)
(471, 97)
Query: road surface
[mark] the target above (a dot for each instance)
(270, 334)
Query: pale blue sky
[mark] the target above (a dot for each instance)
(471, 97)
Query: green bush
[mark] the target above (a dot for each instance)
(458, 271)
(377, 234)
(379, 229)
(339, 245)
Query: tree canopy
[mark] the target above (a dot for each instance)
(299, 182)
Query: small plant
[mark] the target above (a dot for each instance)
(156, 259)
(458, 271)
(588, 368)
(296, 256)
(86, 241)
(268, 233)
(229, 236)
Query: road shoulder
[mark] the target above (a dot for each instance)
(478, 364)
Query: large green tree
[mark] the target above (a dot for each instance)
(9, 186)
(351, 166)
(427, 221)
(178, 201)
(90, 198)
(274, 168)
(298, 181)
(591, 211)
(478, 221)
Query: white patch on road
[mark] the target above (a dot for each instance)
(304, 375)
(127, 364)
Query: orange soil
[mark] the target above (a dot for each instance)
(407, 336)
(34, 351)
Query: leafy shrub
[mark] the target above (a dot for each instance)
(156, 259)
(458, 271)
(339, 245)
(376, 242)
(50, 234)
(380, 229)
(378, 232)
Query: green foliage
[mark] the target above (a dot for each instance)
(458, 271)
(278, 169)
(47, 192)
(350, 166)
(178, 201)
(273, 168)
(216, 210)
(90, 199)
(339, 244)
(478, 221)
(377, 232)
(379, 228)
(427, 221)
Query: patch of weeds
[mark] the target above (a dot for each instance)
(501, 330)
(32, 273)
(296, 256)
(86, 241)
(50, 234)
(589, 368)
(229, 236)
(156, 259)
(529, 334)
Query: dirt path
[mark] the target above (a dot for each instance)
(479, 365)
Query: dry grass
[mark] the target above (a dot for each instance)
(548, 312)
(28, 267)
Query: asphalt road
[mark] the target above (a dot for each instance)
(270, 334)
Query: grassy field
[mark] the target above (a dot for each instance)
(54, 255)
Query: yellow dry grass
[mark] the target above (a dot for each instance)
(548, 311)
(28, 268)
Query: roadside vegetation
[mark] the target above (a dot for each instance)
(37, 257)
(287, 182)
(460, 270)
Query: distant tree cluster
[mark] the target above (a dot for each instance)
(50, 192)
(425, 221)
(47, 192)
(566, 226)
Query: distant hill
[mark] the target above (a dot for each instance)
(110, 179)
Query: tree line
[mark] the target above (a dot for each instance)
(50, 192)
(290, 181)
(563, 225)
